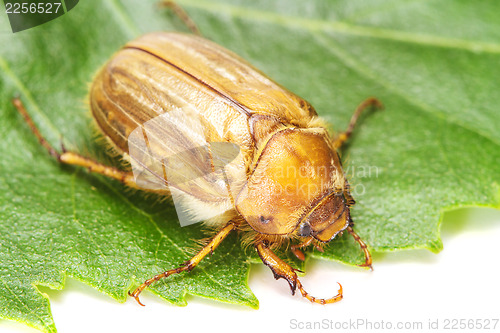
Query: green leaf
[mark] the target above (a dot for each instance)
(435, 147)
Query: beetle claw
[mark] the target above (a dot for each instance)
(63, 147)
(136, 297)
(368, 265)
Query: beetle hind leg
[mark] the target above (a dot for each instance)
(281, 269)
(72, 158)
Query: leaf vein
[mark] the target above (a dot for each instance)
(165, 236)
(366, 72)
(32, 311)
(344, 27)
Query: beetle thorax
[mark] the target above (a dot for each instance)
(296, 187)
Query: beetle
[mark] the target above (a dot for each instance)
(250, 155)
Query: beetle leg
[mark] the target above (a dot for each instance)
(347, 194)
(281, 269)
(298, 253)
(72, 158)
(368, 256)
(190, 264)
(181, 14)
(344, 136)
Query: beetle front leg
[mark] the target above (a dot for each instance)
(364, 247)
(281, 269)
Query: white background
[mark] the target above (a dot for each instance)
(461, 282)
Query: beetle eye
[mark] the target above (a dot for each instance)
(305, 230)
(264, 220)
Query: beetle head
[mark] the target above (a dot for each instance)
(326, 219)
